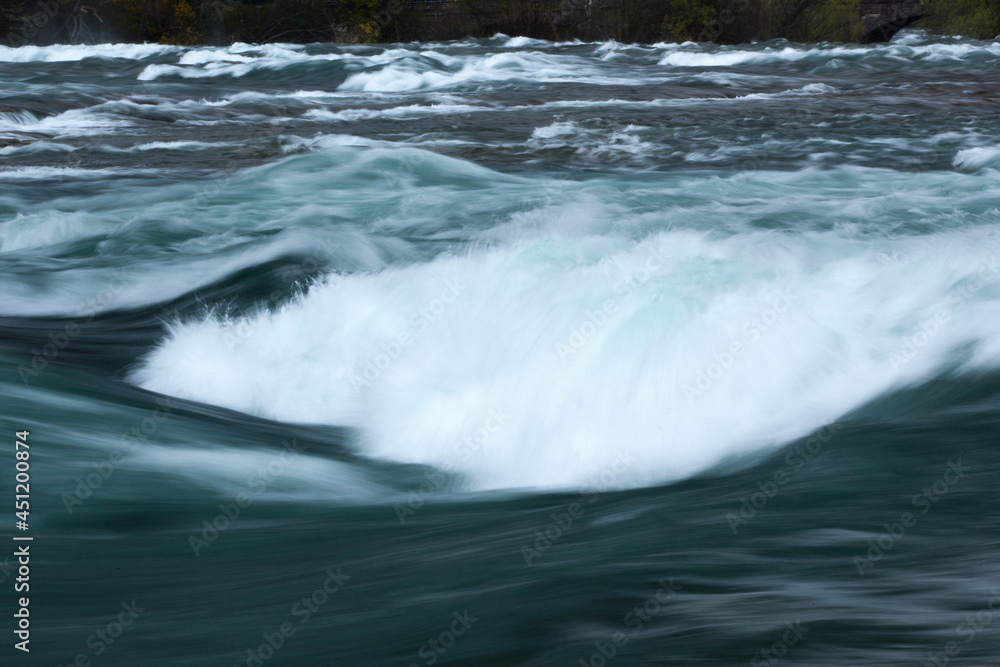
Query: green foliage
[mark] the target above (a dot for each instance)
(627, 21)
(724, 21)
(820, 20)
(164, 21)
(795, 20)
(257, 21)
(357, 12)
(687, 19)
(293, 21)
(11, 13)
(350, 21)
(978, 19)
(531, 18)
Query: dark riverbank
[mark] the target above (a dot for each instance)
(188, 22)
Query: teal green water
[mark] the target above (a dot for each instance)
(504, 352)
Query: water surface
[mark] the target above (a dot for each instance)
(570, 339)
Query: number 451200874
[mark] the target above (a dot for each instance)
(23, 488)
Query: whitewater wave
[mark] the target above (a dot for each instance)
(401, 70)
(321, 200)
(606, 144)
(435, 71)
(978, 157)
(178, 145)
(76, 52)
(556, 60)
(234, 61)
(541, 362)
(409, 110)
(74, 122)
(702, 55)
(45, 173)
(36, 147)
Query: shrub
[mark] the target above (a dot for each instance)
(978, 19)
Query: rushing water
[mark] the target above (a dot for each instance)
(562, 353)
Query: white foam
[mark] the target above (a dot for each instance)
(17, 119)
(588, 348)
(74, 122)
(818, 88)
(44, 173)
(178, 145)
(521, 42)
(36, 147)
(908, 37)
(406, 111)
(411, 74)
(240, 59)
(976, 158)
(695, 59)
(713, 56)
(74, 52)
(204, 56)
(557, 129)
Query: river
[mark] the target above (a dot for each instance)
(504, 352)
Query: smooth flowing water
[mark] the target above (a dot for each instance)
(530, 353)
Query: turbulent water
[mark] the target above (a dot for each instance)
(504, 352)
